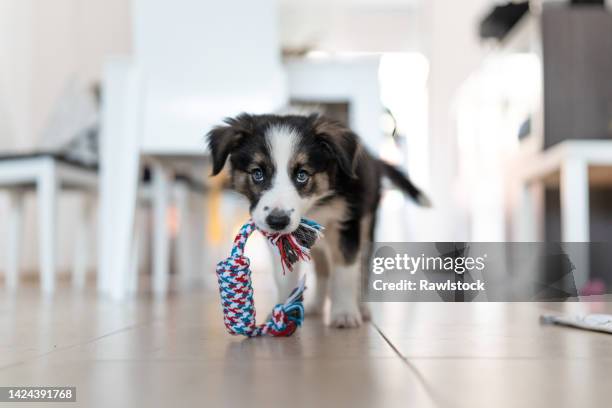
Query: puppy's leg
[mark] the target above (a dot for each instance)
(286, 280)
(364, 308)
(368, 225)
(321, 259)
(344, 294)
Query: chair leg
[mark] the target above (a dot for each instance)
(161, 247)
(15, 229)
(184, 238)
(47, 222)
(528, 217)
(138, 250)
(82, 248)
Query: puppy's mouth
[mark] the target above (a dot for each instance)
(264, 227)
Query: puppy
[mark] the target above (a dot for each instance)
(295, 166)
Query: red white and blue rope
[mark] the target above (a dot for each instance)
(236, 289)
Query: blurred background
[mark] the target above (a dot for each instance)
(500, 111)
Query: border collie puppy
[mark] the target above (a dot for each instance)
(295, 166)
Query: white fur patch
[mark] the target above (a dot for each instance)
(282, 195)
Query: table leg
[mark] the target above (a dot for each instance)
(574, 188)
(120, 135)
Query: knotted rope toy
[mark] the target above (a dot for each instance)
(236, 290)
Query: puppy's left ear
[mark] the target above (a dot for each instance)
(223, 139)
(340, 142)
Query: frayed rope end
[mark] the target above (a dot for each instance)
(296, 246)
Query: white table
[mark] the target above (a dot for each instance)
(574, 166)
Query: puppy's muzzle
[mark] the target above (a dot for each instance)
(278, 219)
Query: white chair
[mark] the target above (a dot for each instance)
(65, 161)
(47, 174)
(187, 195)
(69, 164)
(218, 59)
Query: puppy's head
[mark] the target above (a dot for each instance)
(284, 165)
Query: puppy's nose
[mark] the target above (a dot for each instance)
(278, 219)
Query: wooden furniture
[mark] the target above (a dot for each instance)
(572, 166)
(560, 95)
(570, 148)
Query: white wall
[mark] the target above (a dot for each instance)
(337, 25)
(15, 73)
(42, 45)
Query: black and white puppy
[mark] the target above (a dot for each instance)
(295, 166)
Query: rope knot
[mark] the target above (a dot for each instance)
(287, 317)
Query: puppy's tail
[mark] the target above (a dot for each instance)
(401, 180)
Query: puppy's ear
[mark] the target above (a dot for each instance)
(223, 139)
(342, 144)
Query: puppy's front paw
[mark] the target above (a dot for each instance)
(345, 317)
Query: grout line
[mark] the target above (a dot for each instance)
(388, 341)
(437, 400)
(505, 358)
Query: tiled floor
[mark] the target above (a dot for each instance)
(176, 353)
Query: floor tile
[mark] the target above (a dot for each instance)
(369, 382)
(488, 330)
(511, 383)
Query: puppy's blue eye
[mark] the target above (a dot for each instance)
(257, 175)
(302, 176)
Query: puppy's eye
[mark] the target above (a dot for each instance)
(302, 176)
(257, 175)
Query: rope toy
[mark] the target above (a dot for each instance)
(236, 290)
